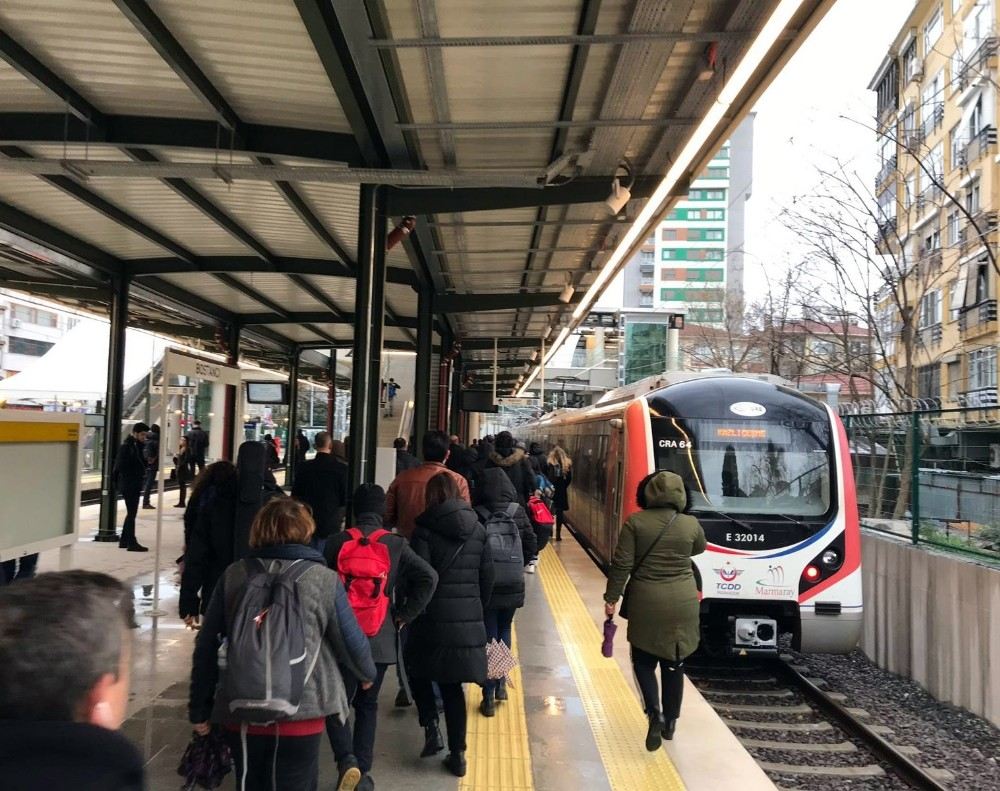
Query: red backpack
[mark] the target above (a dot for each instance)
(363, 565)
(539, 512)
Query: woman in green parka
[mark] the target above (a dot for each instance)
(654, 550)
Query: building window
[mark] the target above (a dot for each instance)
(668, 255)
(646, 257)
(28, 346)
(909, 190)
(932, 241)
(717, 173)
(30, 315)
(669, 234)
(930, 309)
(910, 62)
(982, 368)
(954, 301)
(715, 236)
(972, 198)
(933, 30)
(935, 163)
(887, 205)
(714, 214)
(957, 146)
(956, 6)
(954, 226)
(929, 381)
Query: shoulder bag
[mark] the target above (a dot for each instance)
(623, 610)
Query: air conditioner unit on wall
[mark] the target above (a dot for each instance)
(15, 323)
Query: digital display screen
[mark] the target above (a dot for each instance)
(267, 393)
(726, 432)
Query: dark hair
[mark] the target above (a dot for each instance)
(504, 440)
(56, 642)
(138, 428)
(435, 446)
(440, 488)
(399, 443)
(640, 494)
(322, 440)
(155, 428)
(197, 424)
(218, 473)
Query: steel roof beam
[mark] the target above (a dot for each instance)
(561, 124)
(316, 317)
(286, 265)
(637, 37)
(162, 40)
(157, 132)
(40, 74)
(484, 344)
(435, 200)
(474, 303)
(478, 365)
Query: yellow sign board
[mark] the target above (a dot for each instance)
(18, 431)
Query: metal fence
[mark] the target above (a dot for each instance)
(932, 475)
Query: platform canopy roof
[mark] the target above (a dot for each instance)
(212, 151)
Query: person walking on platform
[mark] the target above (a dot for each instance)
(560, 472)
(402, 594)
(197, 441)
(654, 557)
(510, 540)
(513, 461)
(273, 458)
(130, 473)
(209, 530)
(406, 498)
(65, 651)
(404, 459)
(183, 471)
(250, 698)
(151, 455)
(321, 483)
(447, 644)
(301, 446)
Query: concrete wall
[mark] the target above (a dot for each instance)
(935, 618)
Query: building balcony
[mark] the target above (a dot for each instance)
(983, 397)
(933, 119)
(888, 169)
(978, 320)
(982, 59)
(646, 287)
(977, 147)
(886, 229)
(930, 336)
(914, 69)
(912, 136)
(969, 238)
(647, 267)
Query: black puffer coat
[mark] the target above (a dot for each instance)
(495, 493)
(448, 642)
(514, 462)
(209, 523)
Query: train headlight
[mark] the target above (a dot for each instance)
(830, 558)
(812, 574)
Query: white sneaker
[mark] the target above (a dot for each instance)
(530, 568)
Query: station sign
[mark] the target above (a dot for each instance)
(513, 401)
(174, 390)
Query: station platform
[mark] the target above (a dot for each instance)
(573, 719)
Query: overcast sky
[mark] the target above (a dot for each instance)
(818, 108)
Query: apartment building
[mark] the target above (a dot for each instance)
(28, 329)
(938, 192)
(694, 263)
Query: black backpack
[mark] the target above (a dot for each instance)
(503, 540)
(264, 659)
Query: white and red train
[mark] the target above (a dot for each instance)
(768, 472)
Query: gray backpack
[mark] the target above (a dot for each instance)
(503, 540)
(266, 667)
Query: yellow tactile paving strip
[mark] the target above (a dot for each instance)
(498, 753)
(615, 716)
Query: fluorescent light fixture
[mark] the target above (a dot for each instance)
(567, 293)
(755, 54)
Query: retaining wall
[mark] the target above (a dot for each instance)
(935, 618)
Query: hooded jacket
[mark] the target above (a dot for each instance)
(67, 756)
(448, 642)
(410, 585)
(663, 598)
(330, 629)
(494, 494)
(514, 462)
(210, 526)
(536, 456)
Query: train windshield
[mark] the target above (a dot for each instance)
(748, 467)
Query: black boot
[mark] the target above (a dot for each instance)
(433, 743)
(488, 707)
(654, 734)
(455, 763)
(668, 729)
(502, 689)
(402, 699)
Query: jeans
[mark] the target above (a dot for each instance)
(287, 763)
(560, 521)
(672, 676)
(498, 626)
(455, 716)
(150, 482)
(22, 568)
(131, 498)
(361, 744)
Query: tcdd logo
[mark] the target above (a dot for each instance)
(728, 575)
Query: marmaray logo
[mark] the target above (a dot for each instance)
(776, 576)
(774, 584)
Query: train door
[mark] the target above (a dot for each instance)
(613, 502)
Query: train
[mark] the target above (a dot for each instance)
(769, 477)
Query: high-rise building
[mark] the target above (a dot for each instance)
(938, 193)
(694, 263)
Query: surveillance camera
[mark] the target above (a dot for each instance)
(618, 198)
(567, 293)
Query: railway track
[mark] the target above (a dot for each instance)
(804, 736)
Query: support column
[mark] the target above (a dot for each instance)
(229, 416)
(455, 416)
(331, 396)
(107, 522)
(369, 318)
(293, 416)
(444, 375)
(422, 376)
